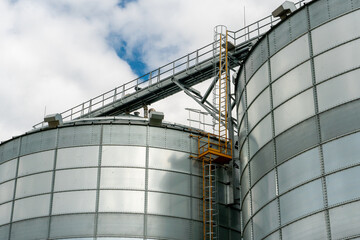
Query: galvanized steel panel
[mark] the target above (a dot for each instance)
(264, 191)
(262, 162)
(120, 225)
(38, 142)
(345, 148)
(30, 229)
(169, 160)
(7, 191)
(79, 136)
(8, 170)
(340, 120)
(77, 157)
(33, 184)
(157, 137)
(122, 178)
(297, 202)
(31, 207)
(299, 169)
(123, 156)
(68, 226)
(75, 179)
(37, 162)
(197, 209)
(116, 134)
(312, 227)
(5, 213)
(170, 182)
(121, 201)
(4, 231)
(166, 227)
(9, 150)
(169, 204)
(266, 220)
(344, 220)
(297, 139)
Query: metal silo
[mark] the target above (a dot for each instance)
(106, 178)
(298, 96)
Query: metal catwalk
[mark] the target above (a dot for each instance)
(186, 71)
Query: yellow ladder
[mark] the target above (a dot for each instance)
(215, 148)
(210, 207)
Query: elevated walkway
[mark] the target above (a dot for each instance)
(189, 70)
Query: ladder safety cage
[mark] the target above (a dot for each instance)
(220, 91)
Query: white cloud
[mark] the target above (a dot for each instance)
(166, 30)
(57, 54)
(54, 57)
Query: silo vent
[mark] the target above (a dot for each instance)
(156, 118)
(53, 120)
(284, 10)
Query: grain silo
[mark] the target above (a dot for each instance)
(106, 178)
(298, 118)
(105, 174)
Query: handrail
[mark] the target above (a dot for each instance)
(193, 59)
(207, 143)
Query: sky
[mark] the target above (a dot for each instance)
(56, 54)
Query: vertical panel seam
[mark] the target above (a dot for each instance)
(53, 182)
(317, 116)
(273, 137)
(97, 200)
(146, 181)
(191, 190)
(250, 221)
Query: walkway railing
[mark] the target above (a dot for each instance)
(192, 60)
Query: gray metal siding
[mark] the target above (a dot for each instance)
(105, 180)
(298, 124)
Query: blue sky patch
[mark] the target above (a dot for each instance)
(133, 58)
(123, 3)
